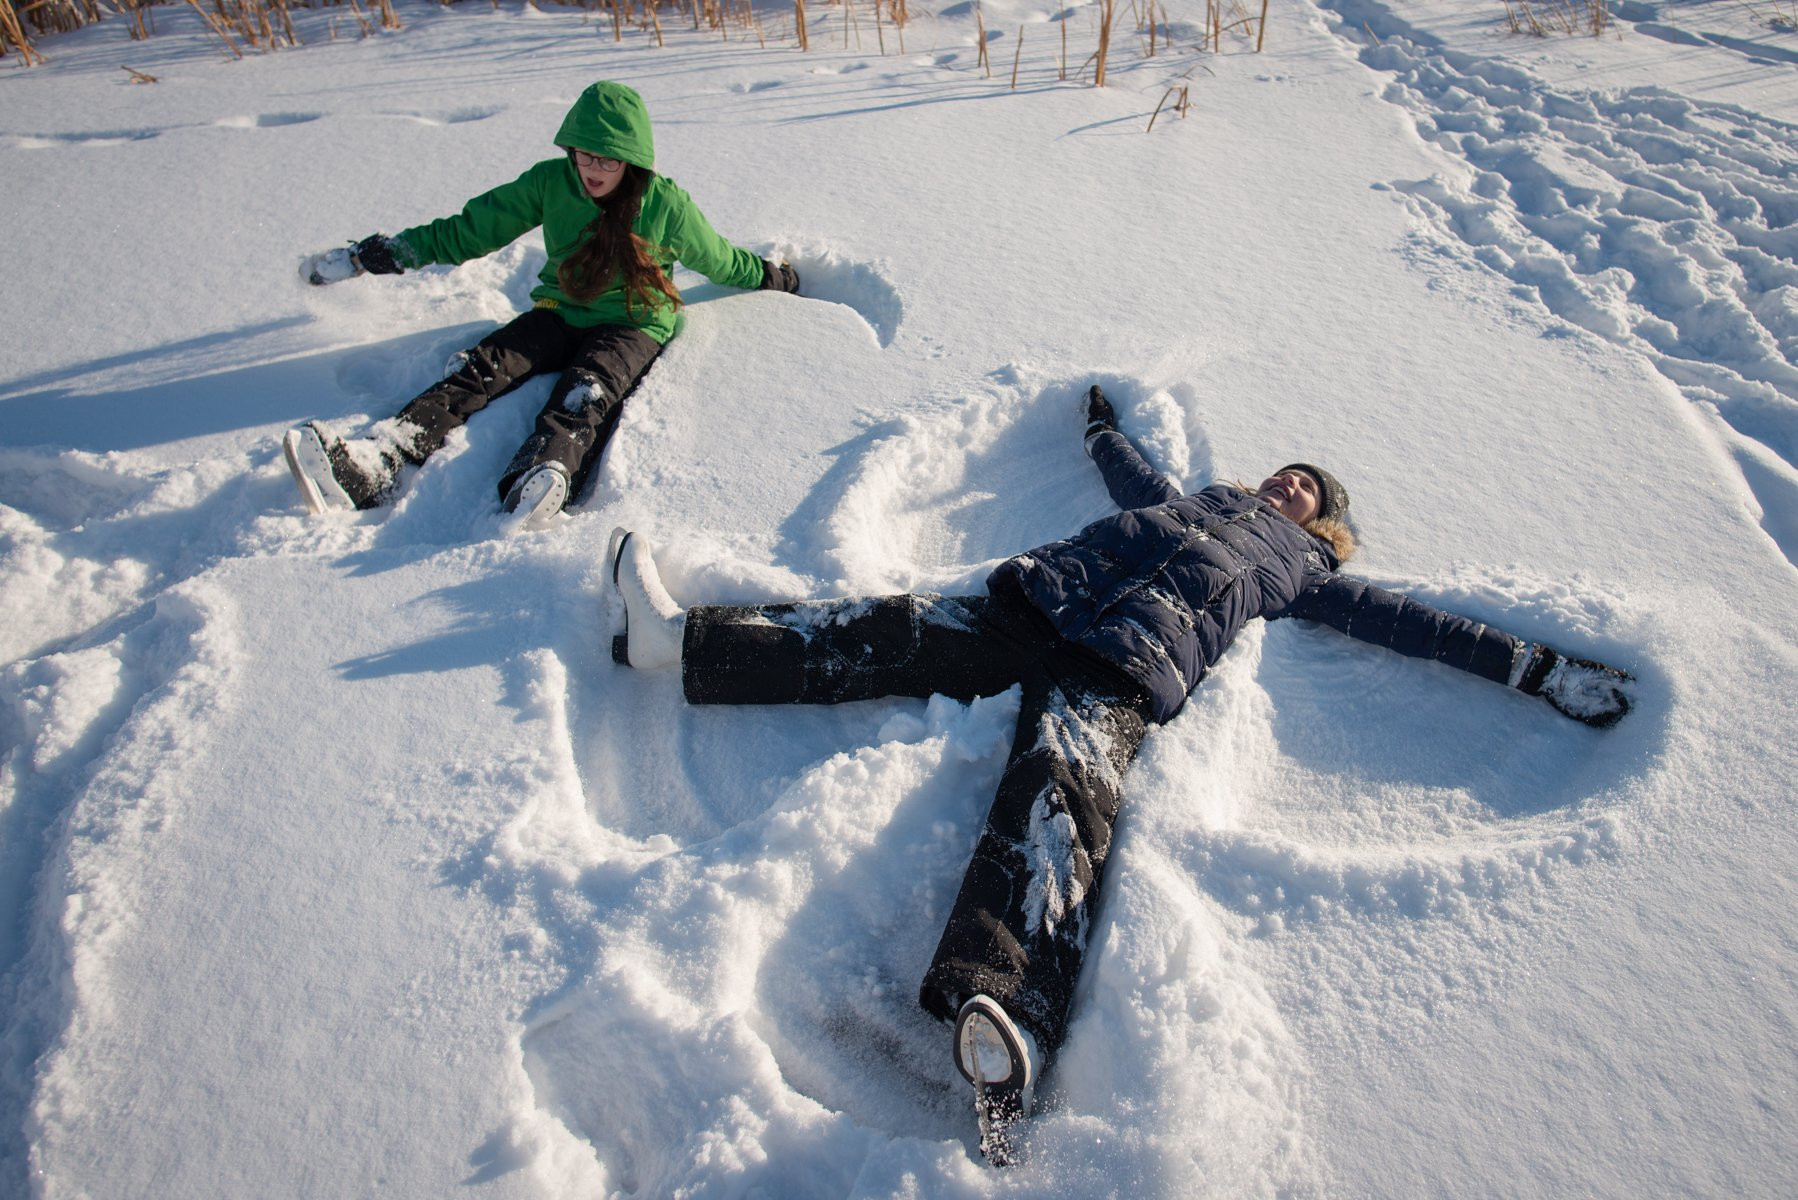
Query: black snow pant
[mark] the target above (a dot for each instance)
(1020, 922)
(599, 368)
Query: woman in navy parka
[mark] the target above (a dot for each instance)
(1107, 632)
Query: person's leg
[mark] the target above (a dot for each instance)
(528, 345)
(828, 652)
(583, 408)
(1018, 929)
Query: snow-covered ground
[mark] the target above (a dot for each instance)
(338, 859)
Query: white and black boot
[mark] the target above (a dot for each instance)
(999, 1057)
(334, 475)
(653, 622)
(536, 496)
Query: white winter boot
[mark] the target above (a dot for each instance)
(653, 622)
(536, 497)
(999, 1057)
(333, 474)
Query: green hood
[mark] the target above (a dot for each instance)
(609, 119)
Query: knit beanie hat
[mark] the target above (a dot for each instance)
(1333, 498)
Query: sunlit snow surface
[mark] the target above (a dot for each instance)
(337, 858)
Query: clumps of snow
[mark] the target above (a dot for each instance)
(55, 595)
(1655, 221)
(705, 996)
(589, 391)
(56, 702)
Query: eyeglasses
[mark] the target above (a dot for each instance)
(608, 165)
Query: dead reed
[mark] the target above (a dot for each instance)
(1558, 16)
(244, 26)
(1107, 13)
(12, 33)
(1182, 102)
(237, 24)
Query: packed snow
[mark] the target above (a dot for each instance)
(337, 857)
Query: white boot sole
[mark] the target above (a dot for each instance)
(305, 453)
(541, 496)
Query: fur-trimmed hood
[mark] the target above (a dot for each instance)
(1334, 532)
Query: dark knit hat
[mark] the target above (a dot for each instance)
(1333, 498)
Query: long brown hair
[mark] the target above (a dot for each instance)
(611, 251)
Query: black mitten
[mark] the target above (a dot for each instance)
(1100, 418)
(375, 254)
(1577, 687)
(779, 277)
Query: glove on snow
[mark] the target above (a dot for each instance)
(1100, 418)
(779, 277)
(1577, 687)
(375, 253)
(329, 266)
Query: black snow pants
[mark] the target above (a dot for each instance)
(599, 368)
(1020, 923)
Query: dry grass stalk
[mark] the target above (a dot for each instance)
(12, 33)
(1182, 102)
(218, 28)
(1777, 14)
(138, 12)
(1107, 11)
(980, 25)
(138, 76)
(1260, 29)
(1564, 16)
(1061, 74)
(799, 24)
(1017, 53)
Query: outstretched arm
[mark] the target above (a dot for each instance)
(1132, 482)
(493, 219)
(1579, 688)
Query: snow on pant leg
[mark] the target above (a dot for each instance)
(530, 344)
(583, 408)
(829, 652)
(1020, 922)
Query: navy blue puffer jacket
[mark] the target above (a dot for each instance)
(1161, 589)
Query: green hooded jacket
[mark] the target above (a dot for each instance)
(608, 119)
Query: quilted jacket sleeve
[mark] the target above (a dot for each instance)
(1408, 626)
(1132, 482)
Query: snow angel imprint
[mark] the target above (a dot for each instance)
(1107, 632)
(605, 306)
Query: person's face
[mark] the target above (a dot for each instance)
(600, 176)
(1294, 495)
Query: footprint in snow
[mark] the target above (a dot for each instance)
(267, 120)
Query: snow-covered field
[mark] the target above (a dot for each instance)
(338, 859)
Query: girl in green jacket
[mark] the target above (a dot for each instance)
(605, 306)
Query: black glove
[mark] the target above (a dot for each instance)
(1099, 415)
(374, 254)
(1577, 687)
(779, 277)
